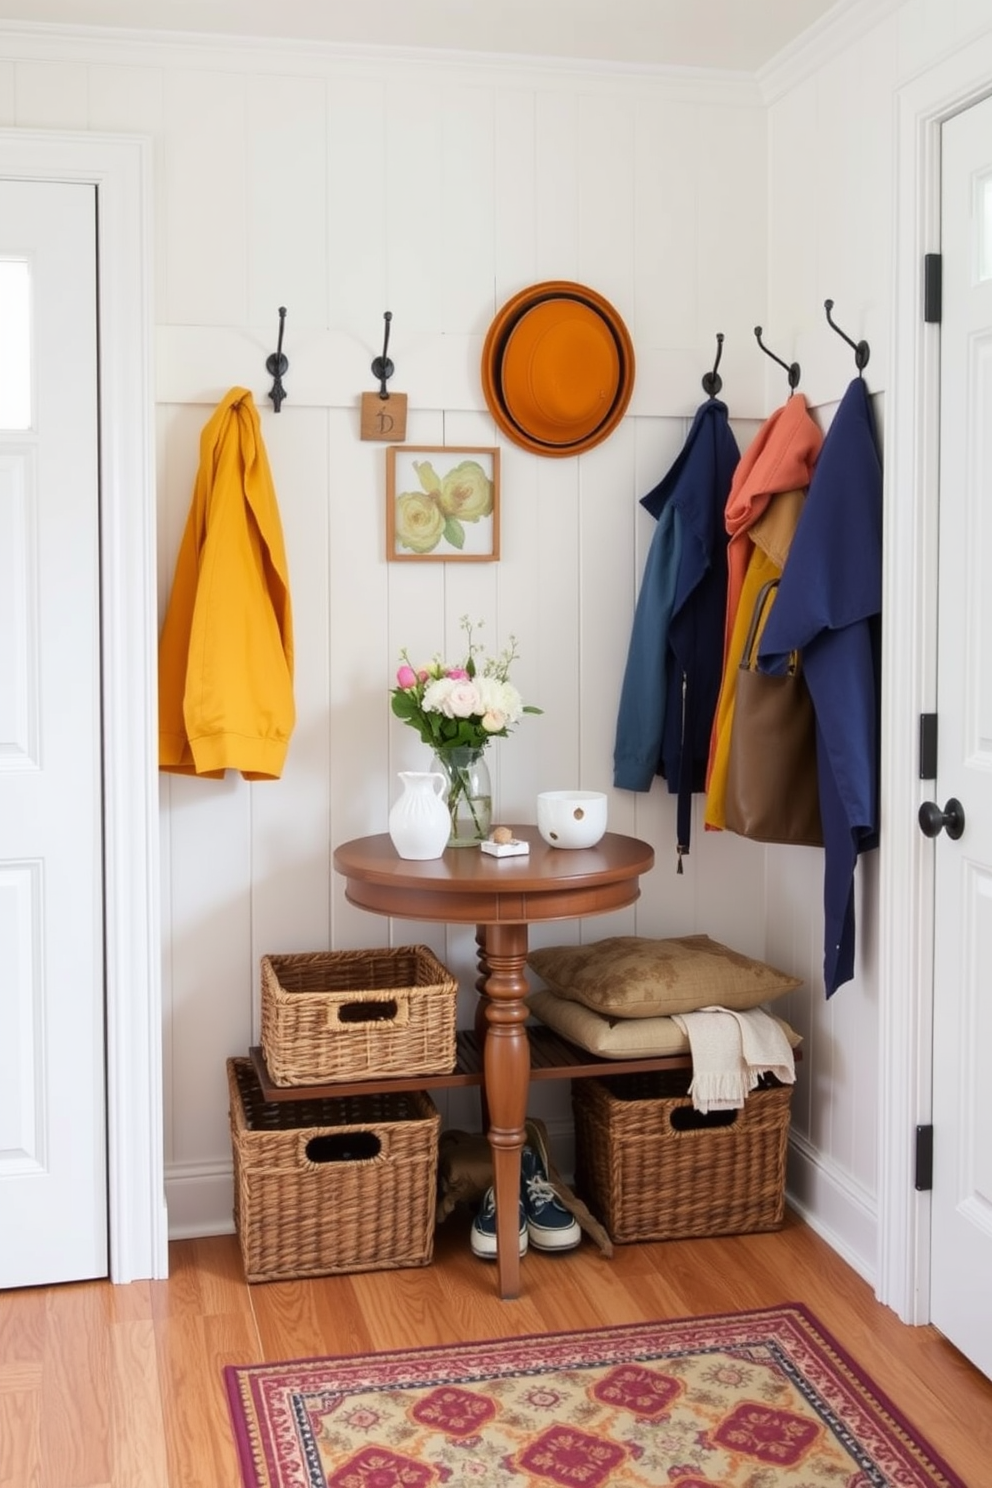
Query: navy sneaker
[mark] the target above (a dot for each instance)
(549, 1224)
(484, 1228)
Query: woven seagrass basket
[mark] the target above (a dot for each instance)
(653, 1168)
(356, 1015)
(347, 1183)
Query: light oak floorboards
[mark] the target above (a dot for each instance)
(121, 1387)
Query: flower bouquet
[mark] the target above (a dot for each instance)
(457, 710)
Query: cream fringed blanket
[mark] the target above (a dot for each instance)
(730, 1053)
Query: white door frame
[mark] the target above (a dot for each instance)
(906, 991)
(119, 167)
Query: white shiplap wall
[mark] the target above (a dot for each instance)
(343, 186)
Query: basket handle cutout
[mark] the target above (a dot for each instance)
(342, 1147)
(395, 1010)
(687, 1118)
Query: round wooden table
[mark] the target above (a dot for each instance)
(501, 897)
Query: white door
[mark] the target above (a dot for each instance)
(53, 1183)
(961, 1254)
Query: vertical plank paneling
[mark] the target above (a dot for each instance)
(557, 171)
(418, 210)
(360, 216)
(730, 139)
(290, 817)
(515, 192)
(204, 162)
(212, 973)
(463, 216)
(558, 539)
(664, 237)
(606, 211)
(358, 723)
(287, 230)
(522, 577)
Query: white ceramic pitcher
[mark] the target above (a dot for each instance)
(419, 823)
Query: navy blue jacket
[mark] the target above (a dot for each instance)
(674, 663)
(829, 607)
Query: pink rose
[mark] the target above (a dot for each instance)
(406, 677)
(457, 674)
(462, 700)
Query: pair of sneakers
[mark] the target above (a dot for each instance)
(545, 1223)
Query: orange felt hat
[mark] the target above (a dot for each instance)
(557, 368)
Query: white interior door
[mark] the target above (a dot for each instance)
(53, 1171)
(961, 1256)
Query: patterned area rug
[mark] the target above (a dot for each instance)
(752, 1400)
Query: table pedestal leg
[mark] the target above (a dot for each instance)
(481, 1022)
(506, 1070)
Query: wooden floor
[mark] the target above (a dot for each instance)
(120, 1387)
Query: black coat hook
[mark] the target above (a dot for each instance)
(277, 364)
(861, 349)
(711, 382)
(382, 367)
(791, 367)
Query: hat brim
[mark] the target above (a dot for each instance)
(557, 368)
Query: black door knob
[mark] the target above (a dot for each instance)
(951, 819)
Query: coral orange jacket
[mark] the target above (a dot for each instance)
(226, 649)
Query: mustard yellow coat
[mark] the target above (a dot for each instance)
(226, 649)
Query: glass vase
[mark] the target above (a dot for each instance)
(469, 794)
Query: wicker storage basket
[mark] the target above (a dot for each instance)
(356, 1015)
(348, 1183)
(654, 1168)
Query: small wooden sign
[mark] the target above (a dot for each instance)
(384, 418)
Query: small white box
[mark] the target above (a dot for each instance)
(512, 849)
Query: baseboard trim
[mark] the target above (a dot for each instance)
(200, 1199)
(839, 1211)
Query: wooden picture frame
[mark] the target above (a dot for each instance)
(442, 504)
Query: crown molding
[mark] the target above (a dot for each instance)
(46, 42)
(842, 27)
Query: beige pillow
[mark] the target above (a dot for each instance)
(629, 976)
(618, 1038)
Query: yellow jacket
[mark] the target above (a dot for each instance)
(226, 649)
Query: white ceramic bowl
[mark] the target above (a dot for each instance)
(571, 818)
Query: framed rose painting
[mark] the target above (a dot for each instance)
(442, 504)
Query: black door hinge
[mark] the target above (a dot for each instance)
(928, 746)
(932, 279)
(924, 1158)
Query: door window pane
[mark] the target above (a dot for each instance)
(15, 344)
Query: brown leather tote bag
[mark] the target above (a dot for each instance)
(772, 791)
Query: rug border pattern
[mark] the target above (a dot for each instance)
(861, 1416)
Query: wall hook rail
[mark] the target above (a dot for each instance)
(711, 382)
(277, 364)
(792, 368)
(382, 367)
(861, 349)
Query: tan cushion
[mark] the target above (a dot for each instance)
(618, 1038)
(630, 976)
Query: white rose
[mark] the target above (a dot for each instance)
(500, 697)
(455, 698)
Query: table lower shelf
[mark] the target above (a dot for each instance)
(551, 1058)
